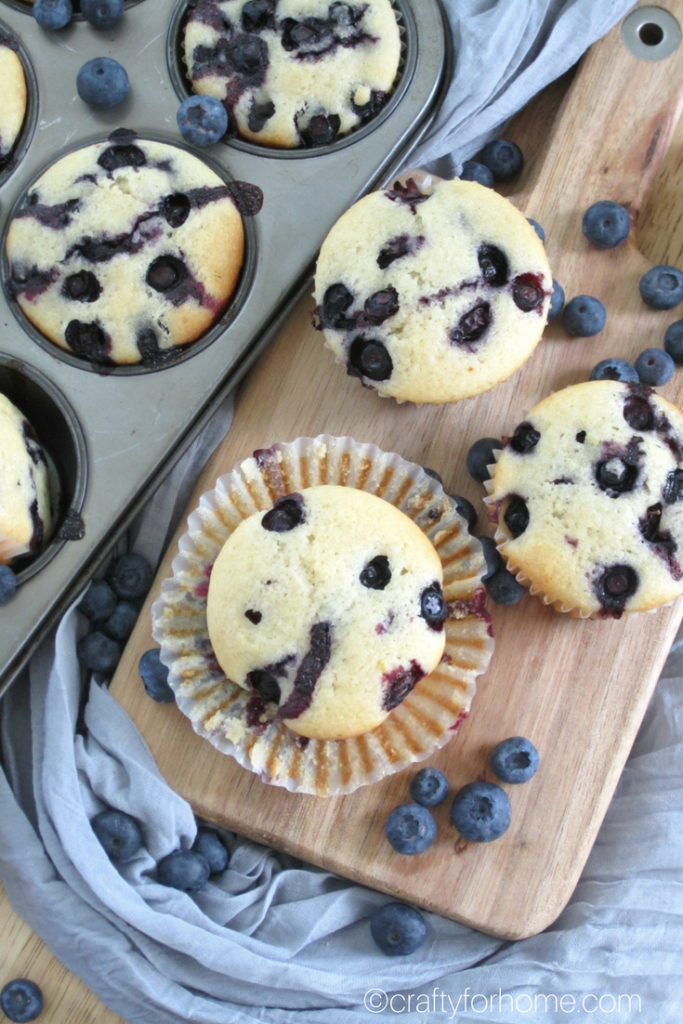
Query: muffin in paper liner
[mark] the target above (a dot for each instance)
(235, 720)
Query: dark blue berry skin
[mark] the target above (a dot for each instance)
(52, 14)
(655, 367)
(662, 287)
(472, 170)
(21, 1000)
(429, 787)
(614, 369)
(556, 300)
(121, 622)
(503, 588)
(186, 870)
(130, 576)
(537, 228)
(98, 652)
(584, 316)
(154, 675)
(98, 602)
(210, 846)
(503, 158)
(606, 224)
(480, 457)
(398, 929)
(493, 557)
(481, 811)
(202, 120)
(8, 584)
(673, 341)
(515, 760)
(410, 828)
(118, 832)
(466, 509)
(102, 82)
(102, 13)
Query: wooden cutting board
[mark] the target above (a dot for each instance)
(578, 689)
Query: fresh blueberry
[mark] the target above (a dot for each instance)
(472, 170)
(118, 832)
(503, 158)
(52, 14)
(503, 588)
(429, 787)
(186, 870)
(655, 367)
(537, 228)
(102, 13)
(480, 456)
(154, 675)
(98, 652)
(584, 316)
(102, 82)
(130, 576)
(121, 622)
(662, 287)
(514, 760)
(410, 828)
(21, 1000)
(673, 341)
(556, 300)
(466, 509)
(481, 811)
(606, 224)
(202, 120)
(398, 929)
(210, 846)
(614, 369)
(8, 584)
(493, 557)
(98, 602)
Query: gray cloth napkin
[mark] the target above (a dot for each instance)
(274, 940)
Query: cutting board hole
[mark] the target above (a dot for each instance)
(651, 33)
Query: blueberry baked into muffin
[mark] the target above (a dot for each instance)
(588, 498)
(330, 606)
(293, 73)
(25, 513)
(432, 294)
(14, 95)
(125, 250)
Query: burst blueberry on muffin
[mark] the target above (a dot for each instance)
(25, 514)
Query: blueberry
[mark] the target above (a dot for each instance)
(472, 170)
(52, 14)
(98, 602)
(584, 316)
(102, 82)
(503, 158)
(480, 456)
(98, 652)
(525, 438)
(494, 264)
(492, 556)
(466, 509)
(514, 760)
(429, 787)
(186, 870)
(154, 675)
(202, 120)
(369, 358)
(398, 929)
(130, 576)
(8, 584)
(120, 624)
(614, 369)
(102, 13)
(537, 228)
(376, 574)
(503, 588)
(673, 341)
(556, 300)
(210, 846)
(662, 287)
(21, 1000)
(433, 607)
(410, 828)
(606, 224)
(481, 811)
(118, 832)
(655, 367)
(286, 514)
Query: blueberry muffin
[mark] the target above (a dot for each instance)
(330, 605)
(432, 295)
(125, 250)
(588, 497)
(13, 89)
(293, 73)
(25, 514)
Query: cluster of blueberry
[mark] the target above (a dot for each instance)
(112, 604)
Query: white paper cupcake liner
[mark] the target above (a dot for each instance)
(224, 713)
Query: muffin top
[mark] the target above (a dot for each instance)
(25, 513)
(588, 493)
(329, 605)
(13, 107)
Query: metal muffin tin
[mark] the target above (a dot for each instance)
(111, 435)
